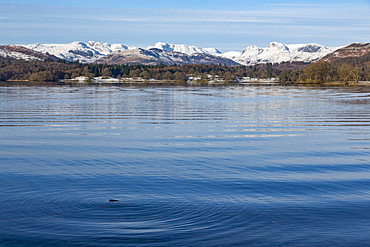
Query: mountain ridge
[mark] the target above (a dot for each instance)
(97, 52)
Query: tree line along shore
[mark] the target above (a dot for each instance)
(343, 71)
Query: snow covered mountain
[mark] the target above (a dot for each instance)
(156, 56)
(277, 53)
(91, 52)
(189, 50)
(78, 51)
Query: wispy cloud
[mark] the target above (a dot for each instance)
(280, 15)
(275, 22)
(277, 16)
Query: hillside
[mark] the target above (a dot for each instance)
(349, 64)
(157, 56)
(353, 50)
(20, 52)
(356, 54)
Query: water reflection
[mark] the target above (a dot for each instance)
(189, 166)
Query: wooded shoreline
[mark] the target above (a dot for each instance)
(344, 71)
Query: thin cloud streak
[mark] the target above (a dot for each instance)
(187, 20)
(303, 5)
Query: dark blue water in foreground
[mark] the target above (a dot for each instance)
(226, 166)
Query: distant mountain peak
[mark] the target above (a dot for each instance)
(184, 48)
(276, 46)
(162, 46)
(275, 43)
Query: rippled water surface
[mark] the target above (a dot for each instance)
(185, 166)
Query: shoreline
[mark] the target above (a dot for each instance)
(177, 83)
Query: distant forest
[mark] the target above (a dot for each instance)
(344, 70)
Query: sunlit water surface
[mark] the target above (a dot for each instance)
(188, 166)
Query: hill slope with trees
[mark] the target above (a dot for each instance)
(348, 64)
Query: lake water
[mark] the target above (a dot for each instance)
(185, 166)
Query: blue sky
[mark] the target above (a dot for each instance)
(226, 25)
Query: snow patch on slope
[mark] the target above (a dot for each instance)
(20, 52)
(17, 55)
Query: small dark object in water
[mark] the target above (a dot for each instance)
(113, 200)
